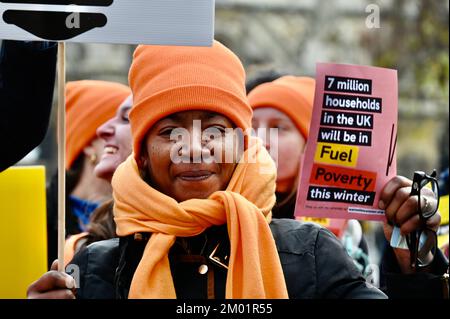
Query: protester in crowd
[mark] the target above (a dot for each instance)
(88, 104)
(27, 77)
(286, 105)
(204, 229)
(116, 134)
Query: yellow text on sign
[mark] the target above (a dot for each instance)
(23, 230)
(337, 154)
(443, 211)
(322, 221)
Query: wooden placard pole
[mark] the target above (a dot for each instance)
(61, 153)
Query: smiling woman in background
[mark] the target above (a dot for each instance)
(88, 104)
(116, 134)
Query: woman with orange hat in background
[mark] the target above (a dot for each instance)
(88, 105)
(116, 135)
(195, 228)
(286, 105)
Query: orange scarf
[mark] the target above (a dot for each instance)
(70, 247)
(245, 206)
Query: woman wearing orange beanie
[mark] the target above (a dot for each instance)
(192, 201)
(116, 135)
(192, 227)
(285, 104)
(88, 105)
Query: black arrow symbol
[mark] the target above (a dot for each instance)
(52, 25)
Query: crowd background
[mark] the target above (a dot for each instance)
(292, 35)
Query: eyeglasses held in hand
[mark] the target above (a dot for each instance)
(422, 243)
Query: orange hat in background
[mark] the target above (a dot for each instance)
(168, 79)
(291, 95)
(89, 104)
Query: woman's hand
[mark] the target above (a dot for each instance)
(401, 210)
(53, 285)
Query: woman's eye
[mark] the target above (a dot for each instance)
(281, 127)
(126, 116)
(219, 128)
(166, 131)
(213, 133)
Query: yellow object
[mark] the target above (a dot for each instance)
(443, 230)
(325, 222)
(337, 154)
(23, 233)
(335, 225)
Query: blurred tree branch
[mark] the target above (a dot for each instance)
(417, 46)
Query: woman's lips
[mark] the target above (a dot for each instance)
(110, 150)
(195, 176)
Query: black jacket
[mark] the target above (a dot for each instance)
(314, 263)
(27, 76)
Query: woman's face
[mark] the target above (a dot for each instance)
(116, 134)
(179, 137)
(290, 142)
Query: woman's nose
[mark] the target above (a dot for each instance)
(196, 146)
(265, 134)
(106, 129)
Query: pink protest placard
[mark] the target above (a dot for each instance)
(350, 153)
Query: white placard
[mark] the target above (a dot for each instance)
(158, 22)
